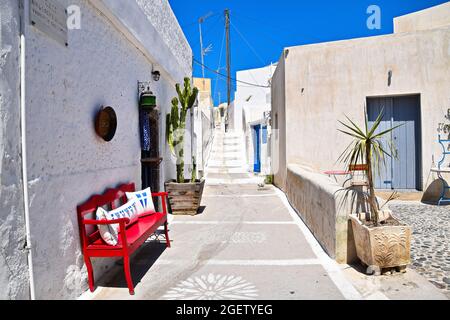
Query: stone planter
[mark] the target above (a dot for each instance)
(384, 246)
(185, 198)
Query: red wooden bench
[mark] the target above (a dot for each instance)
(131, 236)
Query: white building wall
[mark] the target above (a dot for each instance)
(318, 84)
(431, 18)
(67, 161)
(204, 121)
(13, 259)
(251, 102)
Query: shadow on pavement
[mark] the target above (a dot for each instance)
(141, 262)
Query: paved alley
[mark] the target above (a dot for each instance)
(246, 244)
(169, 151)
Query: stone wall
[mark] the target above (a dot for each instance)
(324, 206)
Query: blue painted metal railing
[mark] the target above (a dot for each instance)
(445, 186)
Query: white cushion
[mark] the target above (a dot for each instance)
(145, 198)
(110, 233)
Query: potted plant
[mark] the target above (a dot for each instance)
(184, 195)
(381, 240)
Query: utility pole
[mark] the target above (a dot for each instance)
(227, 27)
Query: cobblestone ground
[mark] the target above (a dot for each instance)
(430, 247)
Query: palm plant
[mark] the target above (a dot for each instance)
(367, 147)
(176, 123)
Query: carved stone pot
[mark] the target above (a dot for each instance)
(384, 246)
(185, 198)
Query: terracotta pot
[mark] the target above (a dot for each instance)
(185, 198)
(383, 246)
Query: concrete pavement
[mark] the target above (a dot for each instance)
(247, 243)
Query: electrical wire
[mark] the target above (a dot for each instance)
(264, 28)
(219, 67)
(266, 35)
(252, 49)
(225, 76)
(238, 13)
(213, 26)
(248, 44)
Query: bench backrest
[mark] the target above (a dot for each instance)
(112, 199)
(358, 167)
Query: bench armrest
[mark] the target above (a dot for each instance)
(160, 194)
(163, 196)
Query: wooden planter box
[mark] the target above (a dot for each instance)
(384, 246)
(185, 198)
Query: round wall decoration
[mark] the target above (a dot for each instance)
(106, 123)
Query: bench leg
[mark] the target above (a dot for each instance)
(166, 229)
(126, 267)
(90, 271)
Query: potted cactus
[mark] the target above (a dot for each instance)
(184, 194)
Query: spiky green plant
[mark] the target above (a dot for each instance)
(367, 147)
(176, 123)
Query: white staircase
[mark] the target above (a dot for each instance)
(227, 164)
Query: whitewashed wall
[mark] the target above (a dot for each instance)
(251, 103)
(203, 122)
(13, 259)
(318, 84)
(163, 19)
(67, 161)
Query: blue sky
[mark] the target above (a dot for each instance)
(261, 29)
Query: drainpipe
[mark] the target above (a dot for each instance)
(193, 135)
(25, 5)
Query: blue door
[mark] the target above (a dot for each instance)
(402, 171)
(383, 174)
(257, 148)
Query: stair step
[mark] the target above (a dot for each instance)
(227, 160)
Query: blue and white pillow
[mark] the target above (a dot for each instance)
(129, 210)
(145, 199)
(110, 233)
